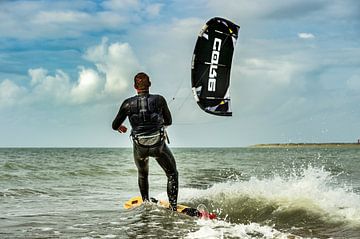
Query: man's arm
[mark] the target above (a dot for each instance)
(166, 112)
(121, 116)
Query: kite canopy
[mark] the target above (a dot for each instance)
(211, 65)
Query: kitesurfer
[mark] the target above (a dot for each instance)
(148, 115)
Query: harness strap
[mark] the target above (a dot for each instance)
(147, 136)
(158, 138)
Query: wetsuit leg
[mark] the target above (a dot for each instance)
(167, 162)
(142, 163)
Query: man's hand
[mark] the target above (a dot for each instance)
(122, 129)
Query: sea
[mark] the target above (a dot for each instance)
(295, 192)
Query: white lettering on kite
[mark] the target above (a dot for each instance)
(215, 54)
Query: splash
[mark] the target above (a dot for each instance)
(308, 203)
(221, 229)
(312, 190)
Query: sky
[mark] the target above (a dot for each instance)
(66, 66)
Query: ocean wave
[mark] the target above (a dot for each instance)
(201, 177)
(307, 202)
(20, 192)
(15, 171)
(18, 165)
(90, 170)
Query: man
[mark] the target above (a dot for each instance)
(148, 115)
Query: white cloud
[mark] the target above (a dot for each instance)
(37, 75)
(116, 61)
(50, 19)
(88, 87)
(264, 84)
(46, 87)
(60, 17)
(10, 93)
(282, 9)
(153, 10)
(120, 5)
(166, 54)
(130, 6)
(115, 64)
(271, 71)
(305, 35)
(259, 9)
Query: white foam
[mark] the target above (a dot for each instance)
(46, 229)
(312, 189)
(220, 229)
(109, 236)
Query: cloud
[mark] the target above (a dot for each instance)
(145, 8)
(47, 87)
(58, 88)
(260, 15)
(153, 10)
(272, 71)
(57, 19)
(166, 50)
(114, 63)
(88, 87)
(261, 84)
(51, 20)
(305, 35)
(10, 93)
(120, 5)
(258, 9)
(37, 75)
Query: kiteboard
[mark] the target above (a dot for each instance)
(182, 209)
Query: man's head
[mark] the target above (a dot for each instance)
(142, 82)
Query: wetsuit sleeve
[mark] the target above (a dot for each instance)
(166, 112)
(121, 115)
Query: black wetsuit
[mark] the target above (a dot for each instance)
(148, 114)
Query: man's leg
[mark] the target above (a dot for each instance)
(167, 162)
(142, 164)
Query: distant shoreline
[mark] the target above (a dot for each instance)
(284, 145)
